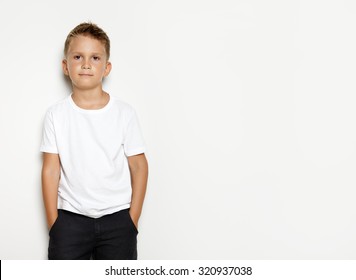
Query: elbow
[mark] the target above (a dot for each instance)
(139, 165)
(50, 173)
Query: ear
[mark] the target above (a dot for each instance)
(107, 68)
(65, 67)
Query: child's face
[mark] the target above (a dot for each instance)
(86, 63)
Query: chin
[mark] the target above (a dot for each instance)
(83, 86)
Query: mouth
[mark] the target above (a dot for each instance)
(85, 75)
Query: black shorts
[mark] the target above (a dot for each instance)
(77, 237)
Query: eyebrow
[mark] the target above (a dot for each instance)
(79, 52)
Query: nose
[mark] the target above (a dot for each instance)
(86, 64)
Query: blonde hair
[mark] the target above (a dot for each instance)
(91, 30)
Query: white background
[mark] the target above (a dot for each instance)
(247, 108)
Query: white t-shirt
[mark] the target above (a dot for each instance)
(93, 146)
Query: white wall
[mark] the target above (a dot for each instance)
(248, 111)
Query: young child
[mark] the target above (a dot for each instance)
(94, 172)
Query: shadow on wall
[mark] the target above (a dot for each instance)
(67, 82)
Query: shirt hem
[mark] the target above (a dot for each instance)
(135, 152)
(98, 214)
(48, 150)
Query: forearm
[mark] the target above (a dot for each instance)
(139, 177)
(50, 183)
(139, 186)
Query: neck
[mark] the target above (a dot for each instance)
(88, 94)
(90, 99)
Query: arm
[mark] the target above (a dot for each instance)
(50, 180)
(139, 175)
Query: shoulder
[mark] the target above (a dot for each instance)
(58, 106)
(122, 106)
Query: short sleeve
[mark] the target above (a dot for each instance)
(133, 140)
(49, 144)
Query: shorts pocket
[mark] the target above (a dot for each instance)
(55, 223)
(132, 224)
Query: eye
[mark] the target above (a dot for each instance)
(76, 57)
(96, 58)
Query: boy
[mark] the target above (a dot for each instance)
(94, 172)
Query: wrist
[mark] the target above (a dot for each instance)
(51, 220)
(134, 217)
